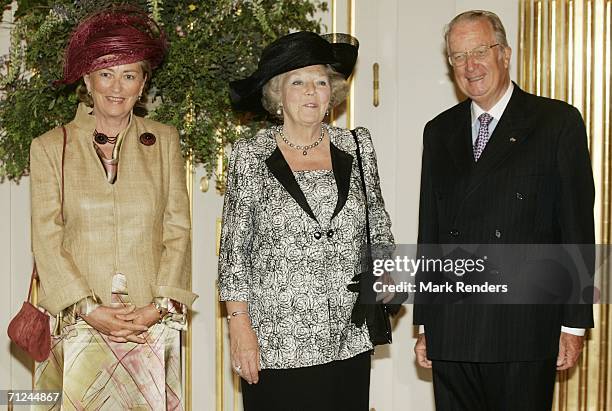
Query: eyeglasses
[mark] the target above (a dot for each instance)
(479, 53)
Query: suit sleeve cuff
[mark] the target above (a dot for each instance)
(65, 296)
(574, 331)
(178, 294)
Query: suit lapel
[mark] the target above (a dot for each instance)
(342, 163)
(460, 143)
(508, 135)
(280, 169)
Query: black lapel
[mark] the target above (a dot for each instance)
(509, 133)
(459, 142)
(342, 164)
(280, 169)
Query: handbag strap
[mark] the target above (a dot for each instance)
(63, 157)
(34, 275)
(34, 270)
(387, 308)
(363, 187)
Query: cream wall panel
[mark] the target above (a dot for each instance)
(20, 270)
(5, 253)
(206, 211)
(413, 83)
(15, 263)
(424, 89)
(376, 27)
(15, 269)
(5, 290)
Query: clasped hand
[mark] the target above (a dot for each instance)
(123, 324)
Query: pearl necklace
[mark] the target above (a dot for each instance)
(297, 146)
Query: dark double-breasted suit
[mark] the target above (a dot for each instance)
(533, 184)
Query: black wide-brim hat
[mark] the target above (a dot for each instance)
(291, 52)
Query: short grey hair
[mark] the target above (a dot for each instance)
(271, 96)
(492, 18)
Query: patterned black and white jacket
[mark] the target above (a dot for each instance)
(292, 269)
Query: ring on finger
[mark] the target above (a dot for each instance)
(238, 368)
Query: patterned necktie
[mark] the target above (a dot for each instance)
(483, 135)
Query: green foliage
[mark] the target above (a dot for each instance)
(211, 43)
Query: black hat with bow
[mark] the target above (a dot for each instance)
(291, 52)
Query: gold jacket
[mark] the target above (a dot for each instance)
(139, 226)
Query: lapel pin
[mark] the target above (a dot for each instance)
(512, 140)
(147, 139)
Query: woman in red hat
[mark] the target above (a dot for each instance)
(111, 227)
(294, 226)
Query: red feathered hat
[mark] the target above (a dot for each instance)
(121, 35)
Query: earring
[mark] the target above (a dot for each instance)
(327, 113)
(279, 110)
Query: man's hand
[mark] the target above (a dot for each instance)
(420, 349)
(570, 348)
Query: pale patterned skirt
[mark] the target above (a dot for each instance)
(94, 373)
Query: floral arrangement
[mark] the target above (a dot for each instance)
(211, 43)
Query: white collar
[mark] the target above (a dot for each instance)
(497, 110)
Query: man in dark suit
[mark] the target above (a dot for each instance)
(502, 167)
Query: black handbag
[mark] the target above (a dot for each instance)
(366, 309)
